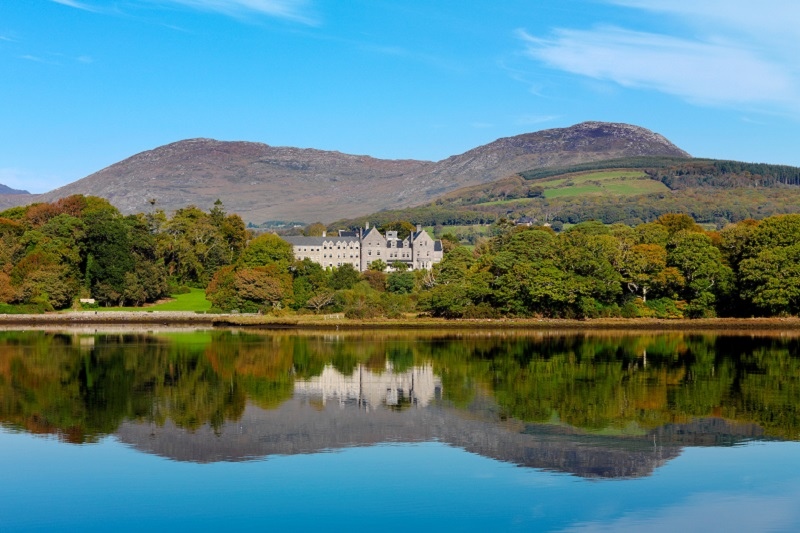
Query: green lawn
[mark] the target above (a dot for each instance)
(193, 301)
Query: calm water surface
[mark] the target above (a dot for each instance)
(212, 429)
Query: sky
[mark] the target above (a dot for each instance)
(87, 83)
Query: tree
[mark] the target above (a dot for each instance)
(402, 227)
(344, 277)
(375, 278)
(108, 245)
(266, 249)
(449, 241)
(263, 286)
(675, 222)
(320, 300)
(310, 279)
(400, 282)
(314, 230)
(645, 269)
(701, 265)
(221, 291)
(771, 280)
(378, 265)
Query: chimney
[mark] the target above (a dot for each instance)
(324, 233)
(367, 226)
(419, 227)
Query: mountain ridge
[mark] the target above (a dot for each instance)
(262, 182)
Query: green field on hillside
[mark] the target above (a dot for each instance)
(614, 182)
(617, 182)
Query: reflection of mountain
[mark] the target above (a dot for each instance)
(301, 426)
(298, 427)
(335, 410)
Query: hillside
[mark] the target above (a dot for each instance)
(630, 190)
(262, 182)
(5, 189)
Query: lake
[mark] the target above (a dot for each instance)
(548, 431)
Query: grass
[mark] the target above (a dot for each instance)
(614, 182)
(626, 182)
(192, 301)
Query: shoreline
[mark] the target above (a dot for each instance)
(338, 322)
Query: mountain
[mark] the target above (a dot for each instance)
(5, 189)
(262, 182)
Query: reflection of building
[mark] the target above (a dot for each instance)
(417, 386)
(362, 247)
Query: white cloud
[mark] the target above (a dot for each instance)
(729, 52)
(35, 59)
(76, 5)
(288, 9)
(764, 20)
(295, 10)
(536, 119)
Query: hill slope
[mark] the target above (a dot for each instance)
(630, 190)
(262, 182)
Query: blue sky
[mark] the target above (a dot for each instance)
(87, 83)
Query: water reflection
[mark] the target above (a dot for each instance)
(416, 387)
(594, 405)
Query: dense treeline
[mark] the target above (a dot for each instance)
(668, 268)
(706, 206)
(682, 171)
(82, 247)
(725, 174)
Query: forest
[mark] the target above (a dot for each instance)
(52, 255)
(82, 247)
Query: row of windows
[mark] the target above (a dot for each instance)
(369, 252)
(325, 265)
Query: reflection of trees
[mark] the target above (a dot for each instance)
(82, 387)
